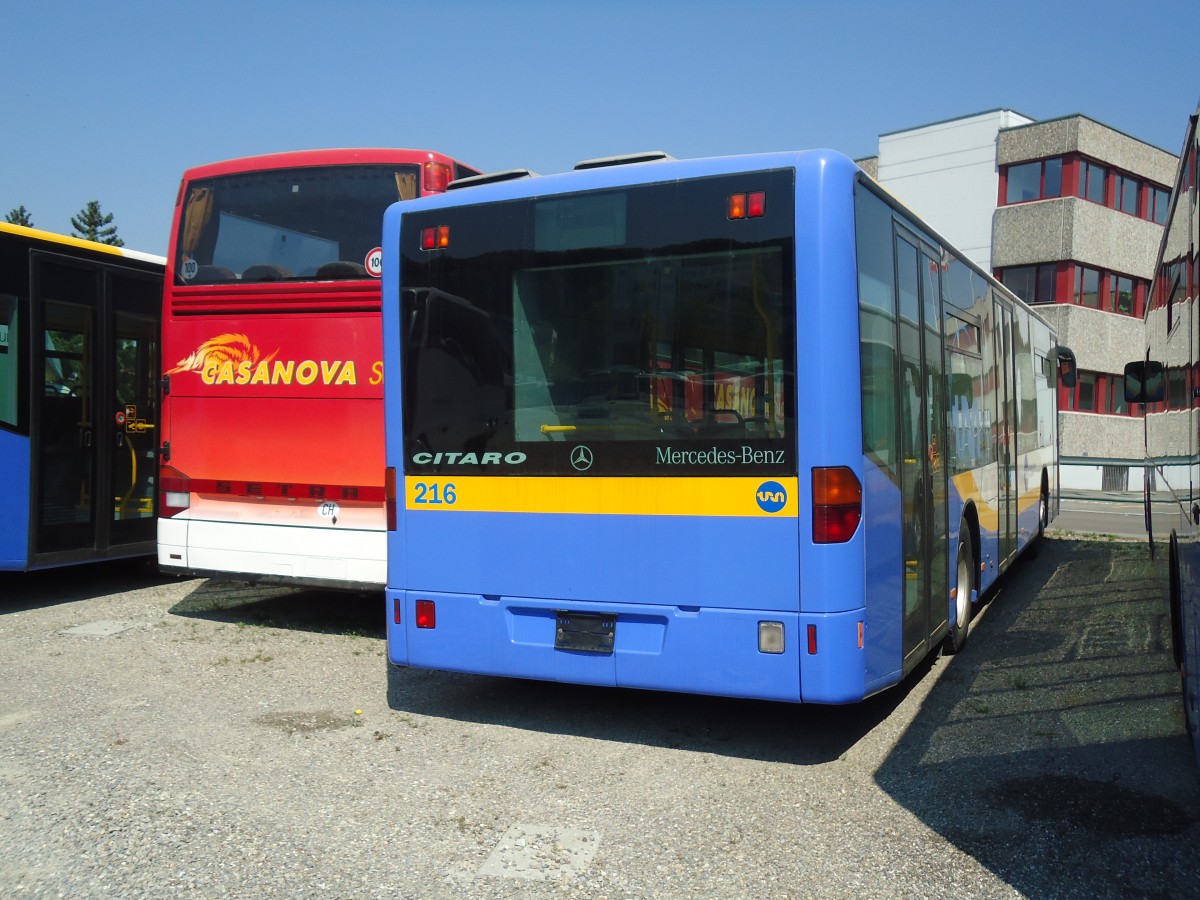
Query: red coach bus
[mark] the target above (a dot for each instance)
(271, 453)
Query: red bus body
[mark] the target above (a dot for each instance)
(272, 445)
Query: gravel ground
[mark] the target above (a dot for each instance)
(164, 738)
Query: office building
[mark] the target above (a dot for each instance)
(1068, 214)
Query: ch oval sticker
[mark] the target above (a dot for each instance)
(771, 496)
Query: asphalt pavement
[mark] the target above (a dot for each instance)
(1114, 515)
(194, 738)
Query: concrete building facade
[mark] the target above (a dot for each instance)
(1068, 213)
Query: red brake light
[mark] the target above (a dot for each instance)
(426, 614)
(174, 492)
(756, 204)
(437, 176)
(836, 504)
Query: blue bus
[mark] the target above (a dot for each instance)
(1167, 381)
(79, 370)
(740, 426)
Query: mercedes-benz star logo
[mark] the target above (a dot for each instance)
(581, 458)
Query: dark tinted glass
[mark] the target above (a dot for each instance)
(642, 324)
(308, 224)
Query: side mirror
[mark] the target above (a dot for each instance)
(1145, 382)
(1068, 371)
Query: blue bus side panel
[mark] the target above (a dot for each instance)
(14, 536)
(884, 567)
(858, 581)
(836, 671)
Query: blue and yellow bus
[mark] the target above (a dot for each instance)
(79, 373)
(740, 426)
(1167, 381)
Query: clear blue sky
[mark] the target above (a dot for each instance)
(112, 101)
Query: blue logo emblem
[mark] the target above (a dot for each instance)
(771, 496)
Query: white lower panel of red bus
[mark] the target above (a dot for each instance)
(311, 555)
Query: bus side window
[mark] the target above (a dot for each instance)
(9, 369)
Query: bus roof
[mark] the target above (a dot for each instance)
(69, 241)
(293, 159)
(645, 169)
(651, 168)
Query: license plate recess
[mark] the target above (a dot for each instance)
(586, 632)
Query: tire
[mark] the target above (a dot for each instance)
(956, 639)
(1043, 519)
(1175, 603)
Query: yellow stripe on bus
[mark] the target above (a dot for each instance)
(604, 496)
(989, 515)
(68, 240)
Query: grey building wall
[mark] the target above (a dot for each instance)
(1102, 342)
(1079, 134)
(1075, 229)
(1071, 228)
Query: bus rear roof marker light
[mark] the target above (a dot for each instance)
(437, 238)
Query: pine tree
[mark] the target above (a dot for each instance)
(92, 225)
(19, 216)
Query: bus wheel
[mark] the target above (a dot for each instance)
(963, 586)
(1035, 544)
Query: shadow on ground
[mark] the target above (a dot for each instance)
(34, 590)
(295, 609)
(1052, 750)
(800, 735)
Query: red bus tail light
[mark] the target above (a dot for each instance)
(437, 176)
(435, 238)
(389, 496)
(426, 614)
(837, 504)
(174, 492)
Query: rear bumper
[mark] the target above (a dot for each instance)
(319, 557)
(671, 648)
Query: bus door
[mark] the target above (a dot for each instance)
(132, 303)
(90, 493)
(922, 410)
(1006, 437)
